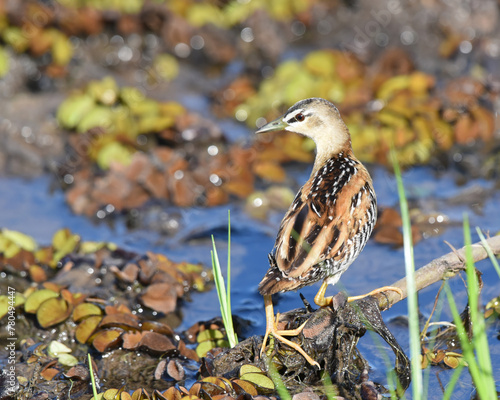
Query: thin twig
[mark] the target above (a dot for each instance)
(443, 267)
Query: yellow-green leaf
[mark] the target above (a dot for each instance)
(4, 62)
(209, 334)
(56, 348)
(248, 368)
(68, 360)
(73, 109)
(260, 380)
(113, 152)
(5, 303)
(62, 49)
(98, 116)
(52, 312)
(23, 241)
(34, 300)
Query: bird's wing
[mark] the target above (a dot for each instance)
(319, 225)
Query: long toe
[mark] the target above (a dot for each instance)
(376, 291)
(279, 335)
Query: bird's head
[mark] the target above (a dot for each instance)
(317, 119)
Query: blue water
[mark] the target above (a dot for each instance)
(28, 206)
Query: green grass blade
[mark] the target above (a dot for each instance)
(436, 316)
(224, 296)
(467, 348)
(92, 377)
(228, 296)
(330, 391)
(219, 281)
(283, 392)
(413, 321)
(453, 382)
(487, 247)
(480, 339)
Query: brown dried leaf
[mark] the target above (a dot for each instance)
(186, 352)
(86, 328)
(37, 273)
(175, 370)
(160, 297)
(140, 394)
(156, 342)
(157, 327)
(85, 310)
(172, 393)
(242, 387)
(49, 373)
(238, 187)
(270, 171)
(53, 311)
(485, 122)
(121, 320)
(120, 309)
(159, 369)
(128, 274)
(388, 234)
(107, 340)
(78, 372)
(463, 131)
(132, 340)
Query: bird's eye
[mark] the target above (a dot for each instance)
(300, 117)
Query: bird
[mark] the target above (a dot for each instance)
(328, 222)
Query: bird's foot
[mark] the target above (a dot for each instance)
(272, 329)
(323, 301)
(378, 290)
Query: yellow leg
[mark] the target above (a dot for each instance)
(320, 298)
(378, 290)
(272, 329)
(323, 301)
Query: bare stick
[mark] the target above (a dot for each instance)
(443, 267)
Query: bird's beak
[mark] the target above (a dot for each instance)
(276, 125)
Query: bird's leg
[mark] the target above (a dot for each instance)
(272, 329)
(320, 298)
(375, 291)
(323, 301)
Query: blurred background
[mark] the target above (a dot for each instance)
(132, 122)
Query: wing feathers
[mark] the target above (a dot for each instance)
(321, 224)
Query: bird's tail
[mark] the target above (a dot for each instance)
(275, 281)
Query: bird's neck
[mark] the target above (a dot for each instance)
(327, 150)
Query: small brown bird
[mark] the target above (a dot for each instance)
(331, 218)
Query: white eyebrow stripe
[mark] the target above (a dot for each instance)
(295, 113)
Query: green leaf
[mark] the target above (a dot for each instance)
(68, 360)
(25, 242)
(260, 380)
(35, 299)
(4, 62)
(209, 334)
(5, 303)
(73, 109)
(204, 347)
(55, 349)
(249, 368)
(114, 152)
(96, 117)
